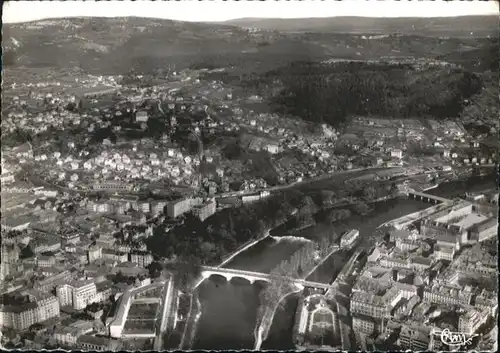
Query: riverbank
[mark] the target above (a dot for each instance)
(244, 247)
(191, 323)
(229, 308)
(264, 324)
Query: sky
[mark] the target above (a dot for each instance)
(218, 10)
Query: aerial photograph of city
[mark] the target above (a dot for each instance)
(250, 175)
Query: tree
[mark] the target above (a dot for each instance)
(327, 197)
(362, 208)
(393, 188)
(261, 226)
(26, 252)
(339, 215)
(155, 269)
(369, 192)
(119, 277)
(188, 270)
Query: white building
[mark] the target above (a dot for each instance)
(77, 294)
(444, 252)
(272, 148)
(348, 238)
(397, 153)
(470, 322)
(141, 116)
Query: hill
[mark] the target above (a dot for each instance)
(115, 44)
(119, 45)
(477, 59)
(481, 26)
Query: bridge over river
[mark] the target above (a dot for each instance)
(228, 273)
(420, 195)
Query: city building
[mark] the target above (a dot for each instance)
(179, 207)
(272, 148)
(77, 294)
(349, 238)
(487, 302)
(463, 223)
(369, 305)
(49, 283)
(99, 206)
(469, 322)
(117, 323)
(158, 207)
(105, 241)
(9, 260)
(442, 294)
(414, 337)
(485, 229)
(141, 116)
(45, 261)
(367, 325)
(111, 254)
(67, 336)
(7, 178)
(141, 258)
(109, 185)
(250, 198)
(99, 344)
(407, 290)
(397, 153)
(444, 252)
(22, 316)
(23, 151)
(205, 210)
(45, 244)
(94, 253)
(144, 206)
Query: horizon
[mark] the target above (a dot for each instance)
(220, 11)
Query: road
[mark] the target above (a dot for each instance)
(359, 171)
(166, 313)
(38, 181)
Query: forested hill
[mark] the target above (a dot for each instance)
(332, 92)
(479, 59)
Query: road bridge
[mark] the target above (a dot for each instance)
(228, 273)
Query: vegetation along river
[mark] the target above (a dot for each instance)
(229, 309)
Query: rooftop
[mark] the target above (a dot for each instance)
(470, 220)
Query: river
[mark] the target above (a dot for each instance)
(229, 309)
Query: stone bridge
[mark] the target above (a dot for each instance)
(250, 276)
